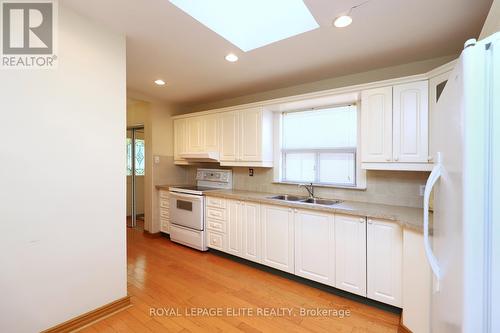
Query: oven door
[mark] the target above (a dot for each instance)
(187, 210)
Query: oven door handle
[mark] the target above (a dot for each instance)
(191, 197)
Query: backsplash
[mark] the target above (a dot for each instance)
(400, 188)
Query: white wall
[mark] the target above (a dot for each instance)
(62, 181)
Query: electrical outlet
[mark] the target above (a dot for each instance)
(422, 190)
(250, 172)
(157, 159)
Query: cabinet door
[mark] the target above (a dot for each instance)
(229, 136)
(436, 87)
(376, 125)
(350, 254)
(315, 246)
(251, 229)
(411, 124)
(384, 258)
(211, 132)
(278, 238)
(251, 135)
(194, 127)
(180, 142)
(417, 284)
(234, 227)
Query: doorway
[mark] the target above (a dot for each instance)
(136, 157)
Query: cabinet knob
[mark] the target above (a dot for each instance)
(429, 158)
(362, 220)
(290, 210)
(370, 221)
(295, 210)
(396, 158)
(388, 159)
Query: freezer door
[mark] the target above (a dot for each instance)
(447, 297)
(462, 299)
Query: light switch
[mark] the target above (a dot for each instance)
(157, 159)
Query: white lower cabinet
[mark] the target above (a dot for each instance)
(417, 284)
(216, 240)
(243, 235)
(234, 244)
(251, 231)
(384, 261)
(350, 254)
(164, 211)
(315, 246)
(278, 237)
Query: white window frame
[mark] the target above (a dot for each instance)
(317, 152)
(279, 177)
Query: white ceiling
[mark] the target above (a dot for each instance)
(164, 42)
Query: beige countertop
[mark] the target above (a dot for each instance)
(407, 217)
(166, 186)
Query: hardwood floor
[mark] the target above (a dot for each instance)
(162, 274)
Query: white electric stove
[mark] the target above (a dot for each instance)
(187, 206)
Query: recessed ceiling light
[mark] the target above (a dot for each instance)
(342, 21)
(160, 82)
(231, 57)
(251, 24)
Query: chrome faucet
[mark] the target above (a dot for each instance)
(309, 188)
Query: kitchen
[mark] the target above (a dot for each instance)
(347, 189)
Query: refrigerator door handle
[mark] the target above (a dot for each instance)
(431, 258)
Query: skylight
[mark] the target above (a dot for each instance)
(250, 24)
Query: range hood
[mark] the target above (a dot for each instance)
(206, 156)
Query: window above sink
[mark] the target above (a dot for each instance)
(320, 146)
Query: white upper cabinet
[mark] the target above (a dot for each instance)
(376, 124)
(411, 122)
(194, 126)
(197, 134)
(350, 254)
(384, 260)
(203, 133)
(229, 127)
(251, 135)
(211, 132)
(180, 138)
(395, 127)
(315, 246)
(247, 138)
(278, 237)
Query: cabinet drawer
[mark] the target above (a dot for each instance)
(164, 213)
(216, 241)
(164, 203)
(165, 225)
(216, 202)
(215, 225)
(164, 194)
(216, 213)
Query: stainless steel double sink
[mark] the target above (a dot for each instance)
(314, 201)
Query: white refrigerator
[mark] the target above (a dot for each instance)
(463, 248)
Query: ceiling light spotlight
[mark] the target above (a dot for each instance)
(160, 82)
(342, 21)
(345, 19)
(231, 57)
